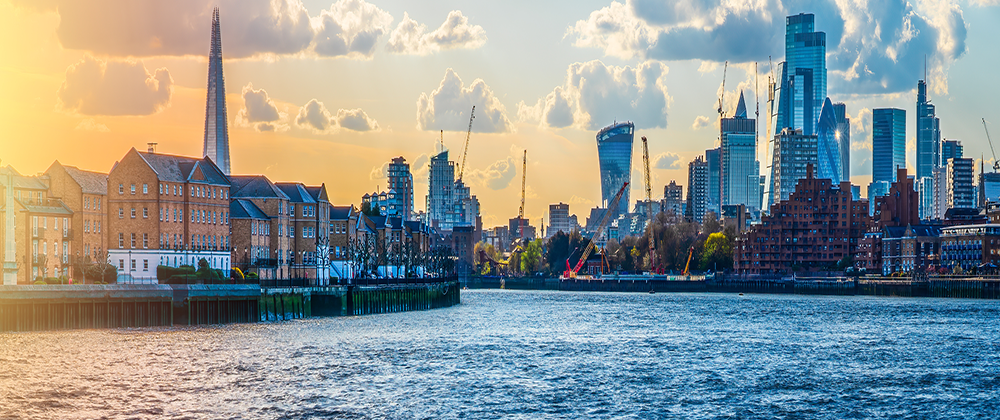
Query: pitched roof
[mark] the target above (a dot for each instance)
(340, 212)
(24, 182)
(318, 193)
(254, 186)
(295, 191)
(90, 182)
(245, 209)
(173, 168)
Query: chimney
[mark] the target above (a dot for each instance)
(151, 147)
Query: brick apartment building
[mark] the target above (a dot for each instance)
(260, 234)
(85, 194)
(167, 210)
(819, 225)
(41, 236)
(309, 242)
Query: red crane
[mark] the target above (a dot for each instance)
(571, 274)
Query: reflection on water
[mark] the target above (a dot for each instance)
(533, 355)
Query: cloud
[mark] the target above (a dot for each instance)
(315, 117)
(350, 28)
(259, 111)
(380, 172)
(355, 120)
(88, 124)
(594, 95)
(861, 130)
(497, 176)
(410, 37)
(667, 160)
(700, 122)
(872, 47)
(448, 107)
(98, 87)
(420, 168)
(580, 201)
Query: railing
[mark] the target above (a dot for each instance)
(67, 233)
(356, 282)
(38, 232)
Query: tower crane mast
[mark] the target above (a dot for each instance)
(465, 150)
(520, 211)
(649, 206)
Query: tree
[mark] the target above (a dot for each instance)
(531, 258)
(370, 210)
(562, 247)
(717, 253)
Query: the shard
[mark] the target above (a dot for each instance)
(216, 127)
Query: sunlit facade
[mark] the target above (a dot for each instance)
(828, 145)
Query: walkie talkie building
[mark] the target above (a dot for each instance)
(614, 150)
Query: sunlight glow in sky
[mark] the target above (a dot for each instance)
(323, 92)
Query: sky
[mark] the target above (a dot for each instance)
(329, 92)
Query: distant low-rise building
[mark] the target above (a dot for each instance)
(970, 246)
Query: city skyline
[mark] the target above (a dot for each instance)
(288, 121)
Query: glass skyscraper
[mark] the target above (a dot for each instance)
(844, 137)
(614, 151)
(928, 135)
(803, 75)
(888, 143)
(740, 170)
(216, 145)
(828, 145)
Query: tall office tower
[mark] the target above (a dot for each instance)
(673, 198)
(559, 219)
(940, 205)
(928, 149)
(950, 149)
(928, 135)
(828, 148)
(844, 137)
(961, 192)
(714, 193)
(401, 183)
(614, 151)
(740, 170)
(439, 195)
(803, 75)
(216, 124)
(888, 144)
(793, 153)
(697, 195)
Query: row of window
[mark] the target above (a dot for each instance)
(92, 225)
(56, 246)
(200, 191)
(94, 203)
(42, 223)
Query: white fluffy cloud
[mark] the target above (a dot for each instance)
(667, 160)
(700, 122)
(315, 117)
(595, 95)
(872, 47)
(259, 111)
(448, 107)
(350, 28)
(411, 37)
(497, 176)
(112, 87)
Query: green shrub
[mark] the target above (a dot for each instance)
(165, 272)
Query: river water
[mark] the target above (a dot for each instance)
(529, 355)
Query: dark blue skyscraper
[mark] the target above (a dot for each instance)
(844, 138)
(888, 143)
(216, 126)
(803, 75)
(928, 135)
(828, 145)
(740, 170)
(614, 151)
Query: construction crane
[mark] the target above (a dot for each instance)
(649, 206)
(465, 150)
(612, 206)
(688, 265)
(722, 112)
(996, 164)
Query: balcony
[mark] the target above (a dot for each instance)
(38, 232)
(67, 233)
